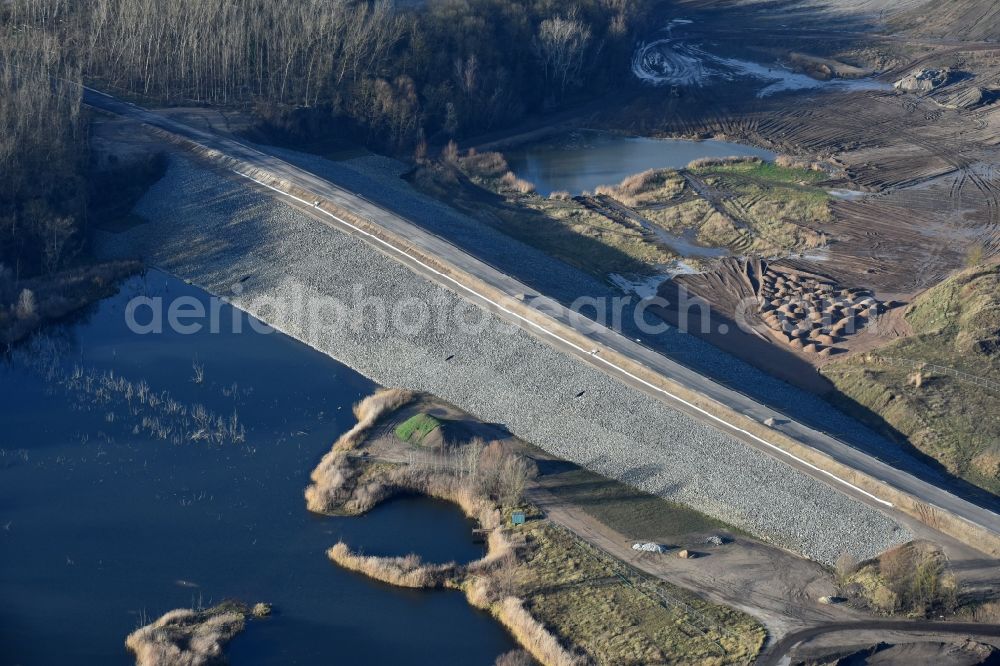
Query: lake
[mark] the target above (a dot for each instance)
(581, 160)
(111, 515)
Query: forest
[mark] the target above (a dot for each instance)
(42, 153)
(395, 75)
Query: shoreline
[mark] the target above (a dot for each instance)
(358, 482)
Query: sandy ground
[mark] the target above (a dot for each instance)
(929, 648)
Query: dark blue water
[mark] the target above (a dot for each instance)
(111, 515)
(583, 160)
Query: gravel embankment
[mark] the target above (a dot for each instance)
(215, 232)
(378, 178)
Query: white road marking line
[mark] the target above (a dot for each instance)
(573, 345)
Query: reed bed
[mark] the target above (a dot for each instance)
(186, 637)
(481, 479)
(334, 472)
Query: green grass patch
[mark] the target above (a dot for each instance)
(765, 173)
(781, 205)
(418, 426)
(635, 514)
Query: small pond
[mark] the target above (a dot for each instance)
(581, 160)
(108, 522)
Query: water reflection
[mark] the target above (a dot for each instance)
(582, 160)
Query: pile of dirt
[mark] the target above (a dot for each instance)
(827, 68)
(923, 80)
(968, 653)
(967, 98)
(812, 313)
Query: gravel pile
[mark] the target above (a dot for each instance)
(218, 233)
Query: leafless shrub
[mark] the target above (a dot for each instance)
(449, 154)
(496, 472)
(705, 162)
(142, 391)
(466, 458)
(506, 575)
(201, 416)
(560, 195)
(486, 165)
(561, 44)
(235, 430)
(41, 144)
(512, 478)
(199, 372)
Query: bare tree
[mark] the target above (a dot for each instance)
(26, 305)
(57, 236)
(512, 478)
(561, 44)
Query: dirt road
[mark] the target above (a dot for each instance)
(778, 588)
(926, 630)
